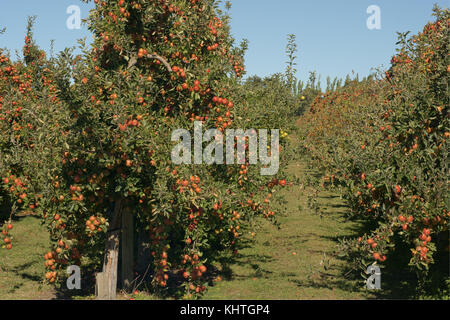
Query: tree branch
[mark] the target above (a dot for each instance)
(133, 60)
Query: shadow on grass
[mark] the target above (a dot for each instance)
(87, 289)
(398, 279)
(330, 283)
(252, 260)
(401, 282)
(22, 271)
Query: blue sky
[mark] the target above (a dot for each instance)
(332, 35)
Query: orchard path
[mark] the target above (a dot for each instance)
(298, 261)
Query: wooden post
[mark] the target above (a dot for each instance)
(106, 281)
(127, 250)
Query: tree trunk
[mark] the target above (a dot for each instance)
(106, 281)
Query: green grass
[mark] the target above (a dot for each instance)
(22, 267)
